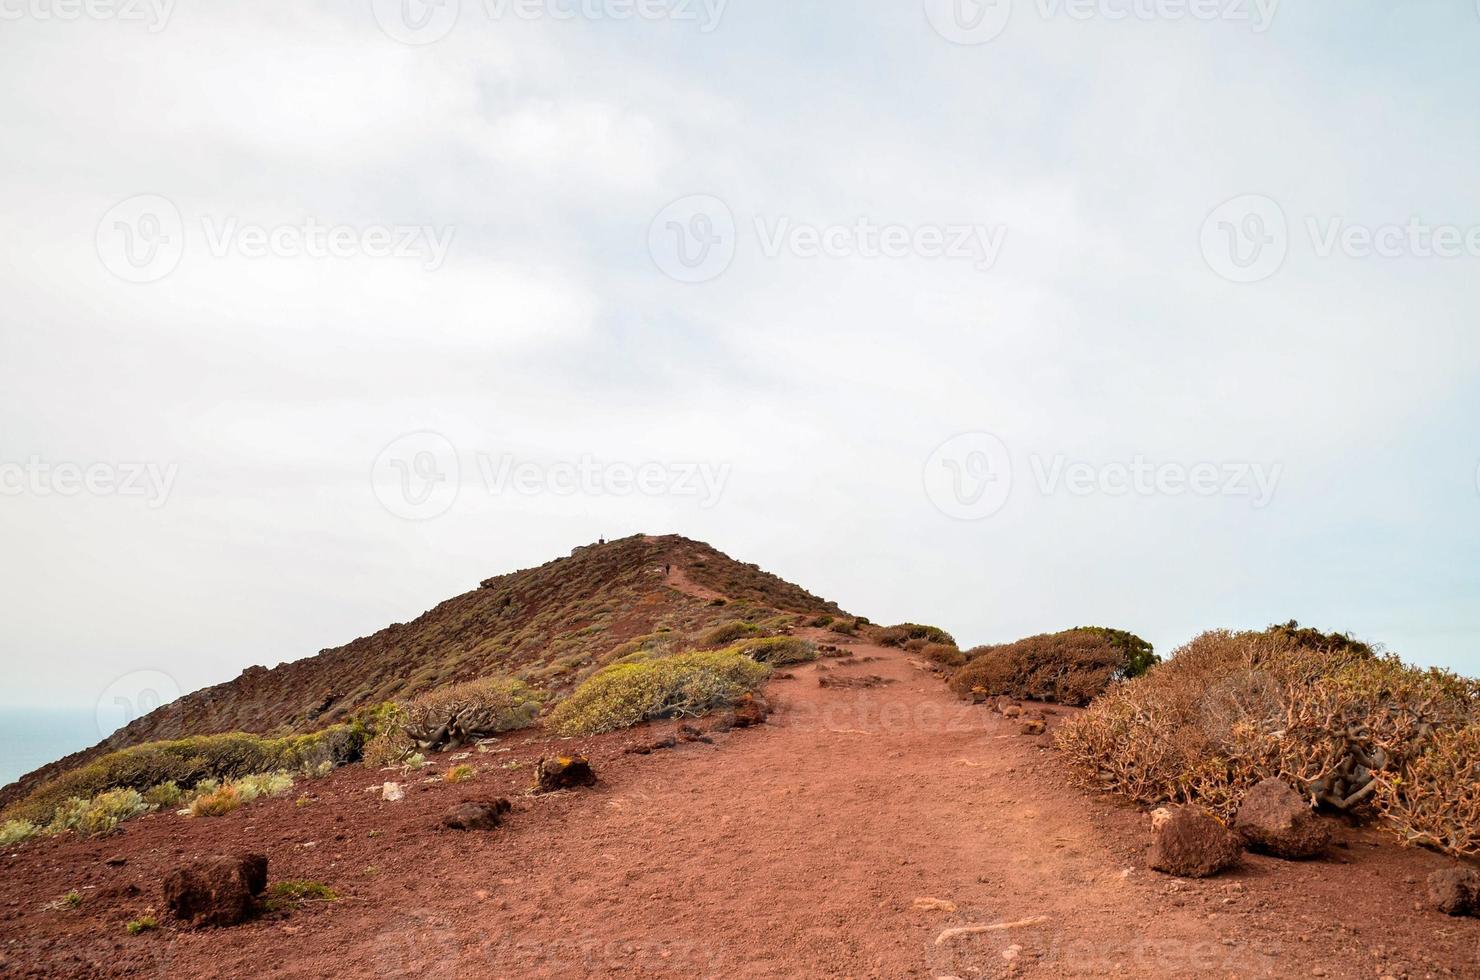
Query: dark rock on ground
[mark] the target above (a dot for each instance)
(563, 772)
(750, 711)
(1192, 843)
(1455, 891)
(1274, 819)
(219, 891)
(1034, 726)
(476, 815)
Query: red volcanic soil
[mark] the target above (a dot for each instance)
(802, 848)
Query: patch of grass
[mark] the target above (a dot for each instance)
(164, 795)
(72, 900)
(269, 784)
(284, 895)
(147, 923)
(459, 773)
(686, 685)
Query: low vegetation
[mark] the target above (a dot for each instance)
(778, 651)
(460, 773)
(1071, 667)
(685, 685)
(452, 716)
(188, 762)
(898, 636)
(17, 831)
(144, 924)
(1355, 731)
(287, 895)
(726, 633)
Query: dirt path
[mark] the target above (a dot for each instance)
(798, 849)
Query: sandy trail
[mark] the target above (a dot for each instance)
(800, 849)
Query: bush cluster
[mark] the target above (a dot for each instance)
(686, 685)
(778, 651)
(188, 762)
(726, 633)
(1353, 730)
(1070, 668)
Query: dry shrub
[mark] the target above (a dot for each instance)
(726, 633)
(1067, 668)
(1437, 803)
(452, 716)
(778, 651)
(1334, 719)
(898, 636)
(944, 654)
(684, 686)
(217, 803)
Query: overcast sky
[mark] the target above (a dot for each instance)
(999, 317)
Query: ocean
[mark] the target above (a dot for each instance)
(32, 737)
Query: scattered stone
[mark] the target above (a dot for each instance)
(219, 891)
(563, 772)
(392, 793)
(934, 905)
(1012, 711)
(1455, 891)
(116, 862)
(1034, 726)
(1192, 843)
(476, 815)
(1274, 819)
(868, 680)
(978, 695)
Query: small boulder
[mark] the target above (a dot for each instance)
(750, 711)
(1034, 726)
(563, 772)
(219, 891)
(1012, 710)
(1274, 819)
(392, 793)
(476, 815)
(1455, 891)
(1192, 843)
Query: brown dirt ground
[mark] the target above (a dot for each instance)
(794, 849)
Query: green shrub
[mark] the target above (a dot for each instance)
(1070, 668)
(686, 685)
(1140, 656)
(147, 923)
(16, 831)
(897, 636)
(726, 633)
(67, 815)
(106, 811)
(778, 651)
(270, 784)
(460, 774)
(164, 795)
(187, 762)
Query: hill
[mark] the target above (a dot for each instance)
(551, 626)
